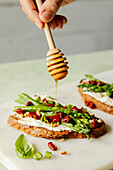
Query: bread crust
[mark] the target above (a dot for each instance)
(49, 134)
(101, 106)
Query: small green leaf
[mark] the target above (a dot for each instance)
(51, 98)
(109, 93)
(88, 135)
(45, 118)
(38, 156)
(58, 104)
(48, 155)
(50, 102)
(85, 109)
(23, 148)
(69, 106)
(42, 118)
(91, 78)
(38, 98)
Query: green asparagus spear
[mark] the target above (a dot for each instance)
(43, 108)
(24, 98)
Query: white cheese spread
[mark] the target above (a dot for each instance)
(37, 123)
(103, 99)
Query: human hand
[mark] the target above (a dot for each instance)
(47, 13)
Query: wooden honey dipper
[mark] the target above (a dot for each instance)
(57, 65)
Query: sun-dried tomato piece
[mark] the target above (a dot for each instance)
(87, 103)
(56, 118)
(100, 83)
(94, 123)
(74, 108)
(54, 102)
(36, 116)
(52, 146)
(65, 107)
(51, 105)
(65, 119)
(61, 115)
(29, 103)
(64, 153)
(49, 117)
(20, 111)
(45, 100)
(94, 82)
(92, 105)
(31, 114)
(81, 110)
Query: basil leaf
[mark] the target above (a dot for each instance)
(23, 148)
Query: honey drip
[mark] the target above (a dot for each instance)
(56, 84)
(57, 65)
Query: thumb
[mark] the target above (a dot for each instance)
(49, 9)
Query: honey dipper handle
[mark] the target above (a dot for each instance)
(46, 29)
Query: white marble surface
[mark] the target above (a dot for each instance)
(82, 154)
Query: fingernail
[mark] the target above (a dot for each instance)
(38, 25)
(46, 15)
(64, 21)
(58, 27)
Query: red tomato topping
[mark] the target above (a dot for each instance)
(60, 114)
(31, 114)
(45, 100)
(94, 123)
(75, 109)
(94, 82)
(65, 119)
(51, 105)
(29, 103)
(90, 104)
(20, 111)
(65, 107)
(56, 118)
(64, 153)
(36, 116)
(100, 83)
(52, 146)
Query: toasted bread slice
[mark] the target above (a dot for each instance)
(47, 118)
(96, 103)
(50, 134)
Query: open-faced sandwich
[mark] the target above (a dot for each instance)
(45, 117)
(97, 94)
